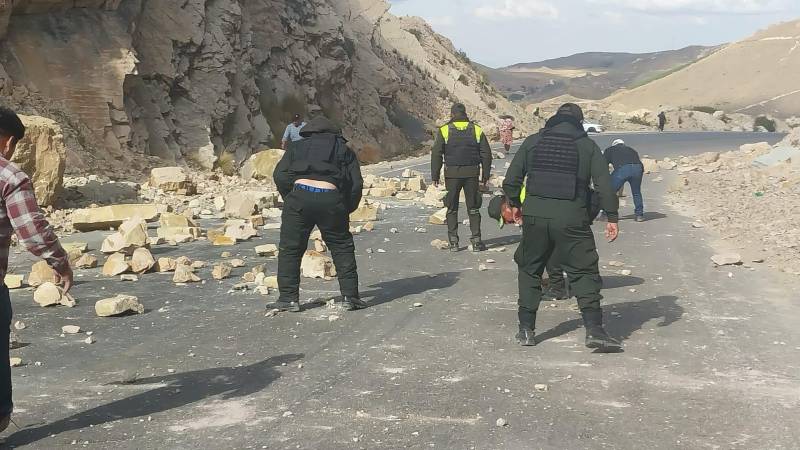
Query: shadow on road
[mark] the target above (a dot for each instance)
(632, 317)
(174, 391)
(503, 240)
(388, 291)
(648, 216)
(620, 281)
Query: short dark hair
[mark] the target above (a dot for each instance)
(458, 109)
(10, 124)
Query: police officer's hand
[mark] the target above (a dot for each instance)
(612, 232)
(517, 215)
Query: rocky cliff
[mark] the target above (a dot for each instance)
(194, 79)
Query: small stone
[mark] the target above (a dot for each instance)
(41, 273)
(13, 281)
(185, 274)
(272, 313)
(166, 265)
(440, 244)
(118, 305)
(380, 250)
(439, 217)
(333, 318)
(501, 422)
(226, 255)
(267, 250)
(288, 414)
(115, 265)
(196, 265)
(727, 259)
(222, 240)
(236, 263)
(625, 272)
(142, 260)
(70, 329)
(20, 325)
(317, 265)
(698, 225)
(369, 250)
(89, 340)
(616, 264)
(221, 271)
(417, 305)
(86, 261)
(15, 362)
(369, 227)
(541, 387)
(129, 277)
(48, 294)
(394, 230)
(482, 268)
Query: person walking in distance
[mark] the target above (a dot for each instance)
(20, 214)
(662, 121)
(506, 128)
(557, 166)
(319, 178)
(462, 147)
(628, 168)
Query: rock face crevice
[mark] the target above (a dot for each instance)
(192, 80)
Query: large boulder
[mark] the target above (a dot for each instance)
(42, 155)
(172, 179)
(103, 218)
(261, 165)
(243, 205)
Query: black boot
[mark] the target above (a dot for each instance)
(527, 323)
(596, 336)
(526, 337)
(478, 245)
(285, 306)
(353, 303)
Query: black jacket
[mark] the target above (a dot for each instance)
(437, 158)
(349, 182)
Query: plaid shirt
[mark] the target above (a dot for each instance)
(20, 213)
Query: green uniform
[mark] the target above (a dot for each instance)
(462, 147)
(560, 228)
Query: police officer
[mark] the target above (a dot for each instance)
(320, 180)
(463, 148)
(500, 210)
(559, 163)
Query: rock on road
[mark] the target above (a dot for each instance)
(711, 354)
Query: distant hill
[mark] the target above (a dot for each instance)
(592, 76)
(758, 75)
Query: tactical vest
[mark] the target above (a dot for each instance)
(462, 144)
(320, 155)
(554, 167)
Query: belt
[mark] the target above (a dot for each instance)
(313, 189)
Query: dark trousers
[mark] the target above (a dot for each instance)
(302, 210)
(631, 174)
(474, 199)
(6, 405)
(555, 273)
(573, 246)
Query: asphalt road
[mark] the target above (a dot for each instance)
(711, 358)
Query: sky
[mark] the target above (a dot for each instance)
(503, 32)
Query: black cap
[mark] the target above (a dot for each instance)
(571, 109)
(298, 116)
(458, 109)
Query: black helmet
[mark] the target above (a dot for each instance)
(571, 109)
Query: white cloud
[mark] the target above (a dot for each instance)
(700, 6)
(516, 9)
